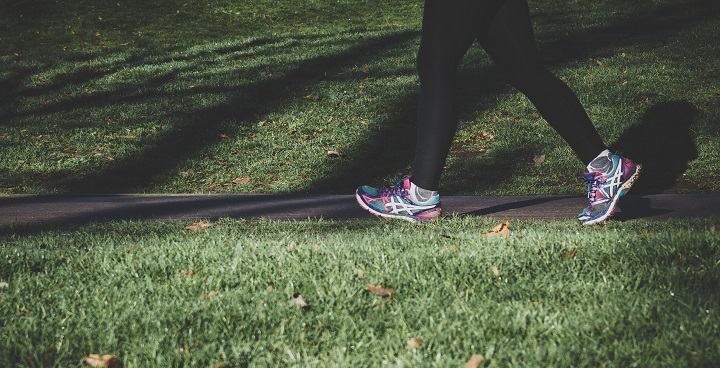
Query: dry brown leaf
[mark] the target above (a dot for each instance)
(224, 363)
(243, 180)
(452, 248)
(380, 290)
(538, 159)
(502, 229)
(570, 253)
(210, 294)
(187, 273)
(105, 361)
(299, 301)
(414, 342)
(4, 285)
(599, 63)
(495, 271)
(198, 225)
(474, 361)
(712, 229)
(335, 154)
(682, 258)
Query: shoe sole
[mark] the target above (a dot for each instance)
(613, 204)
(385, 215)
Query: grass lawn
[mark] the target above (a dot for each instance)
(551, 293)
(307, 96)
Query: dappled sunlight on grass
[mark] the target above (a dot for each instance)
(325, 108)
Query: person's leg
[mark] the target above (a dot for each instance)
(448, 30)
(511, 44)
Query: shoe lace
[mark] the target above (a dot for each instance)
(398, 189)
(593, 187)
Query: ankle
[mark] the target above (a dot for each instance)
(603, 163)
(423, 196)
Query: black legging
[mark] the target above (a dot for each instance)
(504, 30)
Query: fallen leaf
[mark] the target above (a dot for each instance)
(599, 63)
(224, 363)
(452, 248)
(474, 361)
(335, 154)
(570, 253)
(243, 180)
(198, 225)
(105, 361)
(495, 271)
(307, 97)
(538, 159)
(4, 285)
(223, 136)
(414, 342)
(299, 301)
(502, 229)
(210, 294)
(187, 273)
(359, 272)
(682, 258)
(712, 229)
(380, 290)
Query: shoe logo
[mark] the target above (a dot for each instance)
(398, 206)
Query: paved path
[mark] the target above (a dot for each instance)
(78, 209)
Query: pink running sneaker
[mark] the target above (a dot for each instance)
(604, 191)
(395, 203)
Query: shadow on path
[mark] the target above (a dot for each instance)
(24, 215)
(661, 142)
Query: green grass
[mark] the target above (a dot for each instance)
(627, 294)
(185, 97)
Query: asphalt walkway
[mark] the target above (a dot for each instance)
(79, 209)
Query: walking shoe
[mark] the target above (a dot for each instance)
(396, 203)
(604, 190)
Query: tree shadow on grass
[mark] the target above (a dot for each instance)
(199, 128)
(479, 174)
(385, 152)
